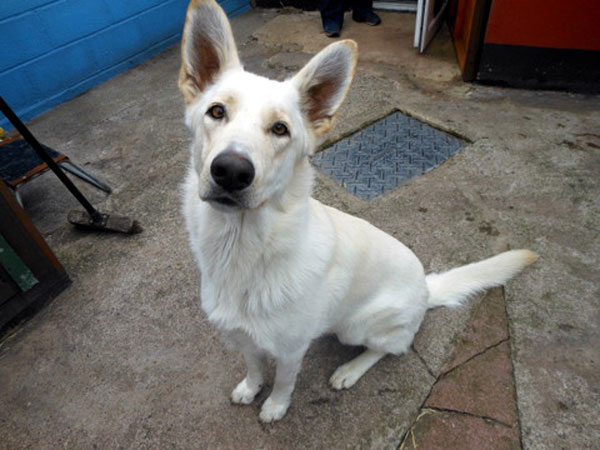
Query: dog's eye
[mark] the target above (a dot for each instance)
(279, 129)
(216, 112)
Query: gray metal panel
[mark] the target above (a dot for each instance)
(386, 154)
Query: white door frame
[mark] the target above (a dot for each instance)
(426, 25)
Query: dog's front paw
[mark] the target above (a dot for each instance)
(272, 410)
(344, 377)
(245, 392)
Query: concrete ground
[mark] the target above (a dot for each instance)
(126, 359)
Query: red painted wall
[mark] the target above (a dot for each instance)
(566, 24)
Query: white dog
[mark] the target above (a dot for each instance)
(279, 268)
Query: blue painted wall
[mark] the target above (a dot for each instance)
(53, 50)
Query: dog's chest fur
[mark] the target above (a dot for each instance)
(258, 271)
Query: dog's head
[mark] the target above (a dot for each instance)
(250, 133)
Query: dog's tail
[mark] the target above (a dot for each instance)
(455, 286)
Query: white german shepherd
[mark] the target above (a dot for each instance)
(279, 268)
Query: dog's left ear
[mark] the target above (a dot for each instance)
(324, 82)
(207, 48)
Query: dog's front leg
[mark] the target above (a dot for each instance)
(275, 407)
(247, 389)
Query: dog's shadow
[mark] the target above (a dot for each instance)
(324, 356)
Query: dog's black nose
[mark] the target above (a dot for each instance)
(232, 171)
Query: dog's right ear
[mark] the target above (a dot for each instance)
(207, 48)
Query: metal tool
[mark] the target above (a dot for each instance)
(92, 219)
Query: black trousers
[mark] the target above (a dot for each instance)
(333, 10)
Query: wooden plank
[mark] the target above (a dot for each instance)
(15, 267)
(17, 229)
(31, 248)
(8, 287)
(24, 304)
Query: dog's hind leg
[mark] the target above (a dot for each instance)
(251, 385)
(347, 374)
(391, 329)
(278, 402)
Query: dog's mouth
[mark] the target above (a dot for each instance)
(223, 201)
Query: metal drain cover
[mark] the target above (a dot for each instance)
(386, 154)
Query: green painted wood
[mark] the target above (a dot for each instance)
(16, 268)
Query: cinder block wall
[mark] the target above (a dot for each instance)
(53, 50)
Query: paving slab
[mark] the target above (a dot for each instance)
(125, 357)
(475, 393)
(482, 386)
(487, 328)
(455, 431)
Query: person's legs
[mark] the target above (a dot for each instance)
(362, 11)
(332, 16)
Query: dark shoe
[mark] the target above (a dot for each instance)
(332, 29)
(369, 17)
